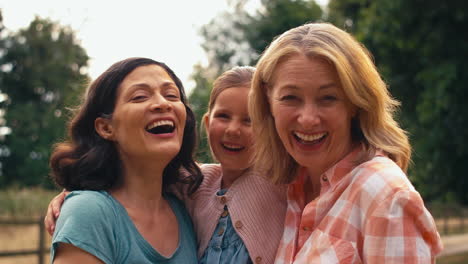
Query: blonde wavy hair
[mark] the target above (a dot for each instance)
(374, 125)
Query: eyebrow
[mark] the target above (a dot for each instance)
(138, 85)
(169, 84)
(322, 87)
(328, 85)
(145, 85)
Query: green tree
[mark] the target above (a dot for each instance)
(237, 37)
(346, 13)
(274, 18)
(199, 103)
(421, 49)
(4, 130)
(42, 73)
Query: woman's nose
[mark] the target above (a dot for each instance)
(309, 116)
(160, 104)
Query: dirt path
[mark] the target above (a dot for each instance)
(454, 244)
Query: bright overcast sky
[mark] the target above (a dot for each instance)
(164, 30)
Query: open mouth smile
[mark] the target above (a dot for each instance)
(232, 147)
(309, 139)
(161, 127)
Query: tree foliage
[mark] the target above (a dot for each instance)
(275, 17)
(199, 99)
(421, 49)
(42, 73)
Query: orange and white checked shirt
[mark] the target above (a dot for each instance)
(364, 214)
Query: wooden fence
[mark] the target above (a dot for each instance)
(41, 251)
(450, 218)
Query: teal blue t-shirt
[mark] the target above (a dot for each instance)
(97, 223)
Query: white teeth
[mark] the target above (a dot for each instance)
(232, 146)
(160, 123)
(306, 137)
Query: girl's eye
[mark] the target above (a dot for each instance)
(329, 98)
(247, 121)
(222, 116)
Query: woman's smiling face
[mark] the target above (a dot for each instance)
(149, 116)
(311, 112)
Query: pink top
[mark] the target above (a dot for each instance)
(256, 206)
(368, 213)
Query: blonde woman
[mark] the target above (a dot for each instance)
(323, 121)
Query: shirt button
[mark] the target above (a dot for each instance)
(238, 224)
(225, 213)
(258, 260)
(306, 228)
(223, 200)
(324, 178)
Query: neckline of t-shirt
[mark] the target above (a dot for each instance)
(145, 245)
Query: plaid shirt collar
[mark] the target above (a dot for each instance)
(333, 175)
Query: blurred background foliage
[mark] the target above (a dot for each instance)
(419, 47)
(40, 76)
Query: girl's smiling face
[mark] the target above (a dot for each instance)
(229, 129)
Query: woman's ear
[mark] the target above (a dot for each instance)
(103, 127)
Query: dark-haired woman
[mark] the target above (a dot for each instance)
(128, 141)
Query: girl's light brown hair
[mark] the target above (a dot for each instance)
(374, 125)
(239, 76)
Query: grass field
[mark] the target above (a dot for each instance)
(24, 203)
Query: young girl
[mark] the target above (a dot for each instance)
(238, 215)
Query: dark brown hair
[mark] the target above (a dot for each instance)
(88, 162)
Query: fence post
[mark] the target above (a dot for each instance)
(446, 218)
(462, 219)
(41, 240)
